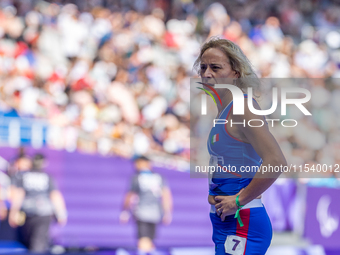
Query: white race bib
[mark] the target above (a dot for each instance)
(235, 245)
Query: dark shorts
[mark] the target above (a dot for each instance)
(146, 229)
(35, 233)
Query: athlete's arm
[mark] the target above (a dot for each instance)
(268, 149)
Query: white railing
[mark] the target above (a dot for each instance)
(16, 131)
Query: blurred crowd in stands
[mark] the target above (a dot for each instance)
(114, 76)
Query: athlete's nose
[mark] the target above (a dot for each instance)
(207, 73)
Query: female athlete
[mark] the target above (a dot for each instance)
(240, 221)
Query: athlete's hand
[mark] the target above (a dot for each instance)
(226, 205)
(211, 200)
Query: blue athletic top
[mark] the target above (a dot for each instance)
(233, 154)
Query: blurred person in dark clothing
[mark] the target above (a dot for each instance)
(154, 203)
(36, 197)
(4, 195)
(6, 232)
(21, 163)
(4, 185)
(3, 207)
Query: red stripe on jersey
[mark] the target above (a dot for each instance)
(217, 137)
(243, 231)
(225, 126)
